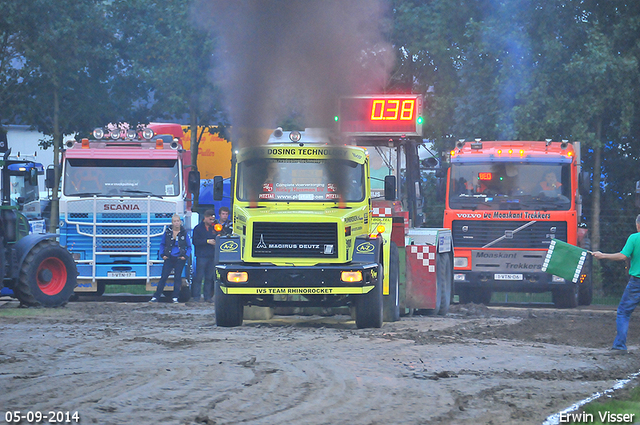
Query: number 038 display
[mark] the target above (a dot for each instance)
(381, 115)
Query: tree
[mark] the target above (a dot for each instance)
(163, 48)
(66, 70)
(11, 26)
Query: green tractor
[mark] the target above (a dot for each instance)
(36, 269)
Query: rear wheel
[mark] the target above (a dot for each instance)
(392, 301)
(566, 297)
(369, 306)
(229, 309)
(47, 276)
(445, 275)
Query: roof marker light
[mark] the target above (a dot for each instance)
(295, 136)
(148, 133)
(85, 143)
(159, 144)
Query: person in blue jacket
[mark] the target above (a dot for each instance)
(175, 248)
(204, 241)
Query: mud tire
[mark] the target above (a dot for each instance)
(229, 308)
(566, 297)
(392, 301)
(445, 275)
(48, 276)
(369, 306)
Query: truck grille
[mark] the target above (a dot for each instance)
(476, 234)
(295, 240)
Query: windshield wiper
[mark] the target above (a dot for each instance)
(85, 194)
(141, 192)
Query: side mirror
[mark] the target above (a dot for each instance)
(193, 182)
(218, 187)
(390, 188)
(50, 177)
(583, 183)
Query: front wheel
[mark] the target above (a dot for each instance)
(566, 297)
(229, 308)
(369, 306)
(48, 276)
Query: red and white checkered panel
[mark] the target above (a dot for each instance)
(425, 253)
(382, 212)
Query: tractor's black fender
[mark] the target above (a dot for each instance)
(24, 246)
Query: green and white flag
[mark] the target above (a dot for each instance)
(564, 260)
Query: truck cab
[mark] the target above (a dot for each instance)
(506, 201)
(119, 192)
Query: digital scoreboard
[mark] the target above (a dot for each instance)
(381, 115)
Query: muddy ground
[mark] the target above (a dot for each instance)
(130, 362)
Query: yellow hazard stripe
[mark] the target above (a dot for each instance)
(297, 291)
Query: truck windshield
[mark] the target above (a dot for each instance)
(514, 186)
(121, 177)
(22, 189)
(300, 180)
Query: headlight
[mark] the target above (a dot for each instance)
(351, 276)
(460, 262)
(237, 277)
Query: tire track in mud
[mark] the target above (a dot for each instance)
(140, 363)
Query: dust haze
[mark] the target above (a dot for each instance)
(286, 58)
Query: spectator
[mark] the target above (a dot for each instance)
(204, 241)
(175, 247)
(225, 221)
(631, 296)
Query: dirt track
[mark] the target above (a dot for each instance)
(132, 362)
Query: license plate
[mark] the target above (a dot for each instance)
(121, 274)
(505, 276)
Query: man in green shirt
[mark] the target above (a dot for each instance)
(631, 296)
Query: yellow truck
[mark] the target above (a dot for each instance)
(308, 233)
(302, 231)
